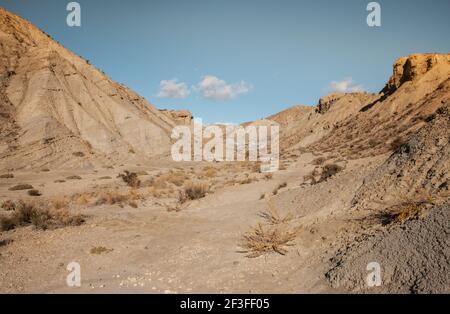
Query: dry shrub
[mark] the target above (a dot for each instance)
(7, 176)
(262, 240)
(268, 176)
(82, 199)
(272, 215)
(210, 173)
(130, 178)
(193, 191)
(275, 237)
(329, 171)
(41, 218)
(34, 193)
(117, 198)
(73, 178)
(78, 154)
(8, 205)
(100, 250)
(410, 206)
(59, 202)
(21, 187)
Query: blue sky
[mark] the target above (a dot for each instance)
(240, 60)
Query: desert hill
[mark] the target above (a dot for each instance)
(56, 108)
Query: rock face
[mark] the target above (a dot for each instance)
(180, 117)
(54, 104)
(412, 68)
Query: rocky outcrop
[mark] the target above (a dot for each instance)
(180, 117)
(411, 68)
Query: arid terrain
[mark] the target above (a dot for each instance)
(86, 176)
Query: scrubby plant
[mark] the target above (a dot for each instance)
(329, 171)
(193, 191)
(130, 178)
(40, 217)
(21, 187)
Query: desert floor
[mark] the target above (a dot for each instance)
(194, 249)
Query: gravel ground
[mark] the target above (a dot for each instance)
(414, 257)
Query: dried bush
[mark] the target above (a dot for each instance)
(272, 215)
(31, 214)
(130, 178)
(7, 176)
(21, 187)
(262, 240)
(34, 193)
(329, 171)
(193, 191)
(8, 205)
(74, 178)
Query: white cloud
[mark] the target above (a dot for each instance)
(173, 89)
(347, 85)
(211, 87)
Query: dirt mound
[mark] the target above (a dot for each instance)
(413, 257)
(54, 104)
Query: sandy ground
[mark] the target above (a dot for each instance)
(195, 250)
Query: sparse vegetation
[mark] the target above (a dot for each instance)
(100, 250)
(78, 154)
(8, 205)
(130, 178)
(7, 176)
(116, 198)
(275, 237)
(329, 171)
(74, 178)
(262, 240)
(26, 214)
(193, 191)
(21, 187)
(272, 215)
(34, 193)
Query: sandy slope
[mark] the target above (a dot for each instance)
(58, 104)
